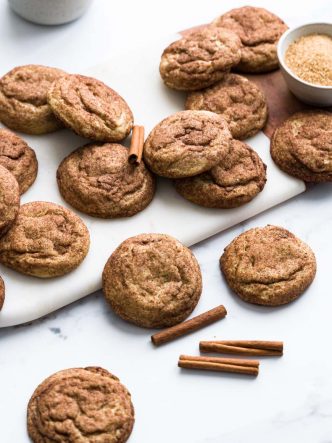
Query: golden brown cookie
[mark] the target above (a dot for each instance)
(200, 59)
(98, 180)
(302, 146)
(46, 240)
(23, 99)
(187, 143)
(238, 100)
(152, 280)
(268, 266)
(18, 158)
(9, 200)
(80, 405)
(232, 183)
(90, 108)
(2, 293)
(259, 31)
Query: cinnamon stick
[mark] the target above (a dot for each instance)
(136, 145)
(243, 347)
(189, 326)
(219, 367)
(221, 360)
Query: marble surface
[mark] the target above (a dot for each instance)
(291, 400)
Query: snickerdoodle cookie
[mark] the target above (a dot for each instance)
(302, 146)
(152, 280)
(259, 31)
(233, 182)
(46, 240)
(90, 108)
(18, 158)
(2, 293)
(238, 100)
(200, 59)
(9, 199)
(98, 180)
(23, 99)
(268, 266)
(187, 143)
(80, 405)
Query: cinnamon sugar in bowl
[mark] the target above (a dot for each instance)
(305, 58)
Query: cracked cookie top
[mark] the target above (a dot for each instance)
(80, 405)
(23, 99)
(259, 31)
(18, 158)
(233, 182)
(9, 200)
(187, 143)
(98, 180)
(46, 240)
(238, 100)
(268, 266)
(152, 280)
(90, 108)
(302, 146)
(200, 59)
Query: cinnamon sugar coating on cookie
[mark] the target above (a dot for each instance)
(238, 100)
(259, 31)
(90, 108)
(23, 99)
(199, 59)
(268, 266)
(233, 182)
(80, 405)
(187, 143)
(9, 200)
(152, 280)
(98, 180)
(18, 158)
(302, 146)
(2, 293)
(46, 240)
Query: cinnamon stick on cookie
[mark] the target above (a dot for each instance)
(136, 145)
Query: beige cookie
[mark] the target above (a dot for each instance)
(18, 158)
(187, 143)
(9, 200)
(80, 405)
(259, 31)
(23, 99)
(98, 180)
(238, 100)
(90, 108)
(200, 59)
(232, 183)
(302, 146)
(268, 266)
(46, 240)
(152, 280)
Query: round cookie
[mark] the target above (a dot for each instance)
(259, 31)
(98, 180)
(23, 99)
(238, 100)
(302, 146)
(90, 108)
(268, 266)
(232, 183)
(200, 59)
(2, 293)
(87, 405)
(18, 158)
(9, 200)
(187, 143)
(46, 240)
(152, 280)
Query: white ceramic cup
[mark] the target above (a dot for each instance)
(307, 92)
(50, 12)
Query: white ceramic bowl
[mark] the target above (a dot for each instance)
(50, 12)
(307, 92)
